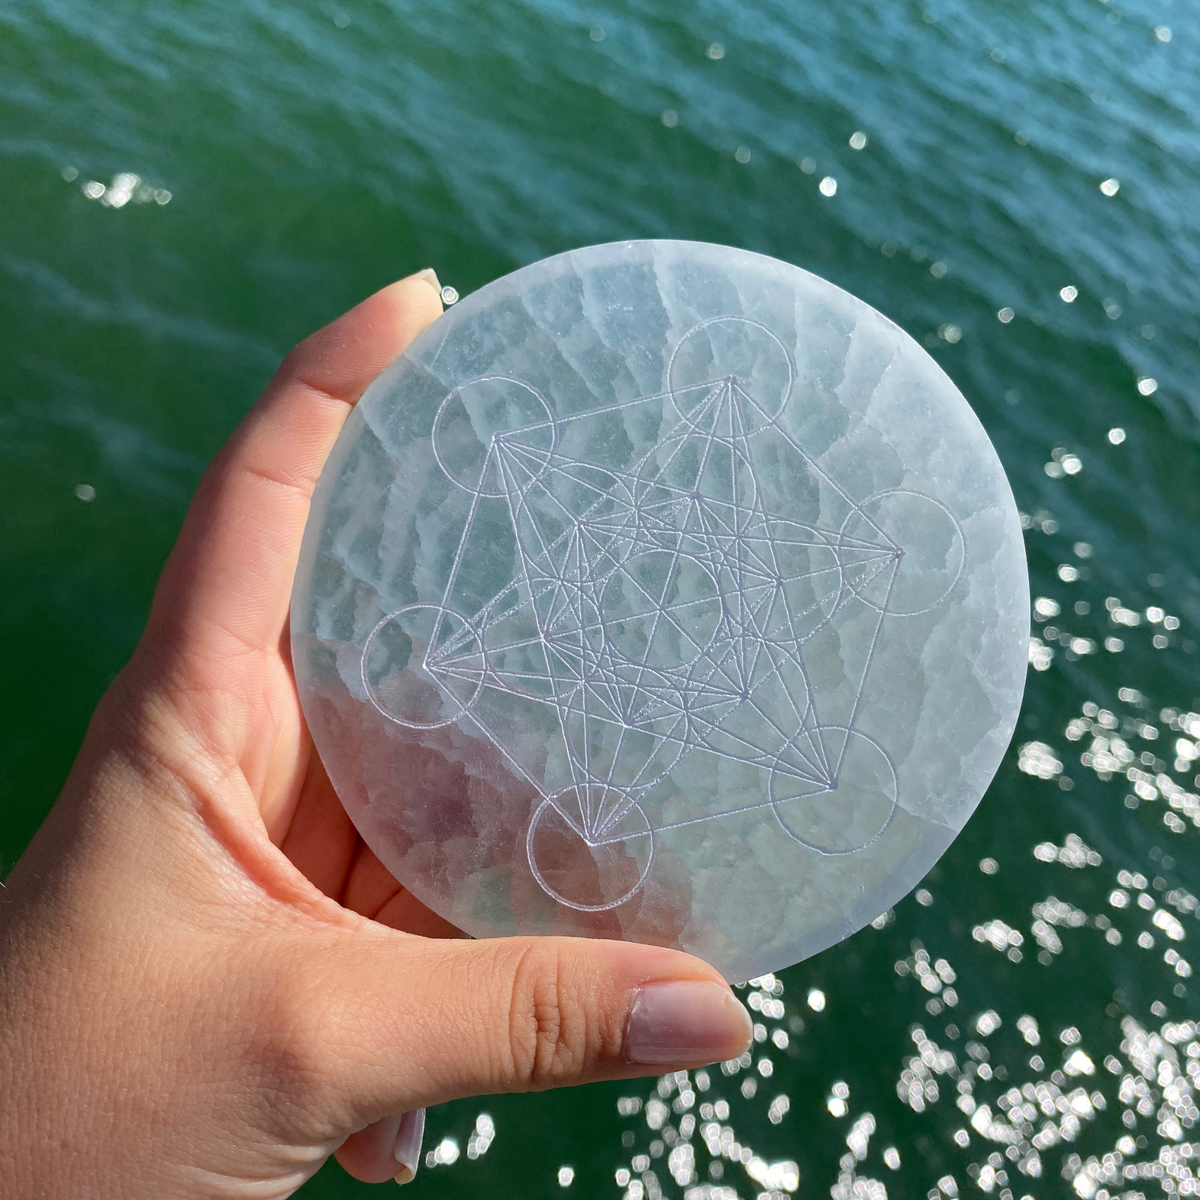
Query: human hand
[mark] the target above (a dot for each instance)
(208, 984)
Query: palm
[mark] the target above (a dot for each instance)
(223, 606)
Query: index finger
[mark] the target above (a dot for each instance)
(226, 587)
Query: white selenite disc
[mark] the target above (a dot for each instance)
(662, 591)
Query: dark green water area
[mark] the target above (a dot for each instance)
(186, 189)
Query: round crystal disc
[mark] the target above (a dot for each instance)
(662, 591)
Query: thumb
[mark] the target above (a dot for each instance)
(409, 1022)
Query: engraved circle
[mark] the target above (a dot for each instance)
(466, 428)
(745, 355)
(846, 812)
(903, 552)
(581, 865)
(415, 686)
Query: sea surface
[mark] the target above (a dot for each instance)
(186, 189)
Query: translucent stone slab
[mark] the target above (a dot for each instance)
(662, 591)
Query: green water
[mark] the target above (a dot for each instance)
(294, 157)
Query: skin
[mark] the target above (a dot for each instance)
(208, 984)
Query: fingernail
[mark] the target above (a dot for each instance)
(686, 1022)
(430, 277)
(407, 1150)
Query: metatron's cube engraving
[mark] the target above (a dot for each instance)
(644, 639)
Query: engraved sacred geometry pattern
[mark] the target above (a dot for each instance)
(663, 611)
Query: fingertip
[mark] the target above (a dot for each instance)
(430, 277)
(685, 1023)
(416, 301)
(389, 1148)
(648, 1006)
(346, 355)
(407, 1151)
(369, 1155)
(679, 1011)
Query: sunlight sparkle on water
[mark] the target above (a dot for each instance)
(126, 188)
(1013, 1110)
(444, 1154)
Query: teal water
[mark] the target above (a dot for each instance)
(292, 158)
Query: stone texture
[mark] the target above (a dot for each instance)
(662, 591)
